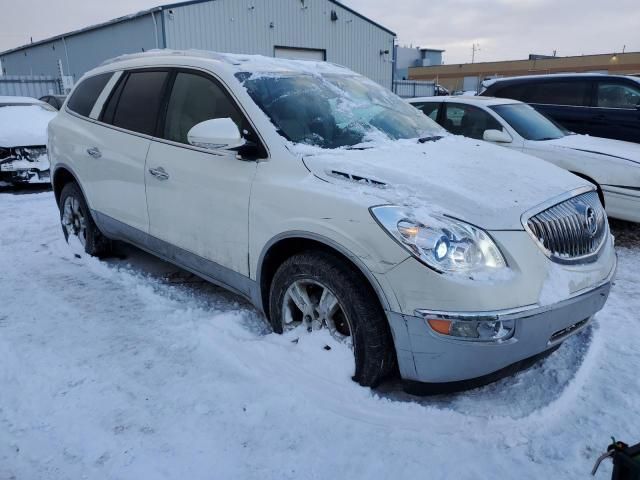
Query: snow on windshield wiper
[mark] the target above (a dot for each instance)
(432, 138)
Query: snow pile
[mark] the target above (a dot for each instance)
(108, 371)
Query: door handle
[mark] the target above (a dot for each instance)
(160, 173)
(94, 152)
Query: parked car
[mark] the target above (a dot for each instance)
(23, 138)
(329, 202)
(56, 101)
(605, 106)
(612, 165)
(440, 90)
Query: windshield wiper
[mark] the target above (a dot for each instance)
(433, 138)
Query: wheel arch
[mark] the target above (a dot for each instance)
(61, 176)
(287, 244)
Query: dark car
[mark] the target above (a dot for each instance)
(56, 101)
(594, 104)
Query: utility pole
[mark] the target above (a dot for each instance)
(474, 48)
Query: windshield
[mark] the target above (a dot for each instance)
(333, 111)
(529, 123)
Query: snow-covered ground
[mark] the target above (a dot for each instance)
(130, 369)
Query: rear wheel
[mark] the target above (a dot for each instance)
(317, 290)
(77, 223)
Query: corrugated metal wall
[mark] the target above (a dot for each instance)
(85, 50)
(258, 26)
(35, 86)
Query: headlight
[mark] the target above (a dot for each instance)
(444, 244)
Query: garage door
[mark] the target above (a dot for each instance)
(300, 53)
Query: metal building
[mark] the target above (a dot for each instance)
(309, 29)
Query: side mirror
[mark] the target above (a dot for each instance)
(215, 134)
(497, 136)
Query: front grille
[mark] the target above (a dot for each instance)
(573, 230)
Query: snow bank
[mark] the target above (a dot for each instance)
(108, 371)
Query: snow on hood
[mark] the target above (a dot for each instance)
(480, 183)
(601, 146)
(22, 126)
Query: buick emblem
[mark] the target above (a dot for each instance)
(591, 221)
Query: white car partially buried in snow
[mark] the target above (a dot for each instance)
(23, 139)
(612, 165)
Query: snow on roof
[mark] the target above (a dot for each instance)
(465, 99)
(19, 100)
(240, 62)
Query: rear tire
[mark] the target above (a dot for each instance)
(359, 318)
(76, 221)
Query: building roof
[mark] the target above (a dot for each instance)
(149, 11)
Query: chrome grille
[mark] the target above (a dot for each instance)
(573, 230)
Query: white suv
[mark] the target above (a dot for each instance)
(330, 203)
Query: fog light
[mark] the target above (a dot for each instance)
(481, 331)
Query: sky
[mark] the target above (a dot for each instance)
(503, 29)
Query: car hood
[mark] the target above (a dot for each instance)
(599, 146)
(24, 126)
(471, 180)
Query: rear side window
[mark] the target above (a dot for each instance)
(430, 109)
(470, 121)
(618, 95)
(515, 92)
(559, 93)
(135, 104)
(86, 94)
(194, 99)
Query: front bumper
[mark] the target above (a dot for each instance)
(454, 364)
(25, 165)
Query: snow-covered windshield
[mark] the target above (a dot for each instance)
(529, 123)
(333, 111)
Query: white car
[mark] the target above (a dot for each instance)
(612, 165)
(23, 139)
(329, 202)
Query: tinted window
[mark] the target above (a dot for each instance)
(194, 99)
(86, 94)
(515, 92)
(617, 95)
(138, 105)
(429, 109)
(559, 93)
(469, 121)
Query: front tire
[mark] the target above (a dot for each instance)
(77, 222)
(317, 289)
